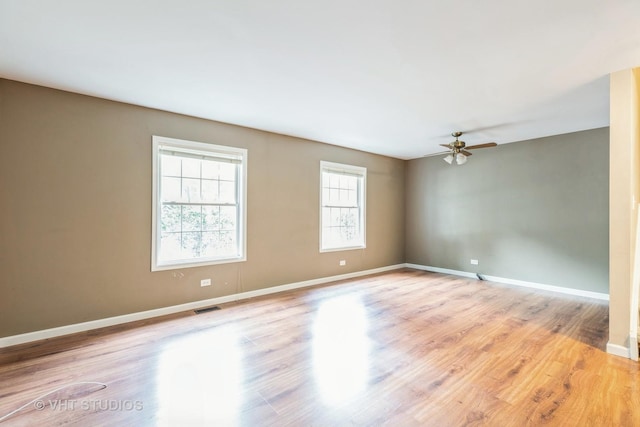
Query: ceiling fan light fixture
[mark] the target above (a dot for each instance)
(457, 150)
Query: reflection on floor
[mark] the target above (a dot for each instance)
(200, 378)
(340, 349)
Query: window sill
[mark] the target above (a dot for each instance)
(343, 248)
(178, 266)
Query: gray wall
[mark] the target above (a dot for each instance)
(534, 210)
(75, 223)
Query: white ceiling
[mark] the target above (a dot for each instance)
(388, 77)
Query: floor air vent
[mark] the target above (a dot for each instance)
(206, 309)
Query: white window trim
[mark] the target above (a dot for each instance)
(158, 141)
(349, 169)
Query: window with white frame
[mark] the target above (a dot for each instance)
(199, 198)
(342, 204)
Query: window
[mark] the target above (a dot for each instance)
(199, 199)
(342, 204)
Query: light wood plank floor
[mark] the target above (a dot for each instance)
(406, 348)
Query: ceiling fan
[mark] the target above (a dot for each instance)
(458, 149)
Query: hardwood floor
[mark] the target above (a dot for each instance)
(406, 348)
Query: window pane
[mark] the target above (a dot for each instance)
(228, 171)
(228, 215)
(352, 198)
(348, 234)
(227, 243)
(209, 191)
(326, 216)
(219, 243)
(191, 245)
(171, 218)
(191, 167)
(349, 217)
(334, 196)
(210, 169)
(170, 165)
(170, 244)
(344, 197)
(209, 244)
(353, 183)
(335, 217)
(191, 218)
(210, 218)
(191, 190)
(227, 192)
(170, 188)
(334, 236)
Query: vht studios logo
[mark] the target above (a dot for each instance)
(89, 405)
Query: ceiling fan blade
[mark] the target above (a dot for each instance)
(465, 152)
(446, 145)
(488, 144)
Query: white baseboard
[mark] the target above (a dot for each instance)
(617, 350)
(442, 270)
(117, 320)
(560, 289)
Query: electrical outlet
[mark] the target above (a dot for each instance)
(474, 261)
(343, 262)
(205, 282)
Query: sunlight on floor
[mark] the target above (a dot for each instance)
(341, 349)
(199, 380)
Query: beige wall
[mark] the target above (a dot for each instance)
(75, 223)
(624, 197)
